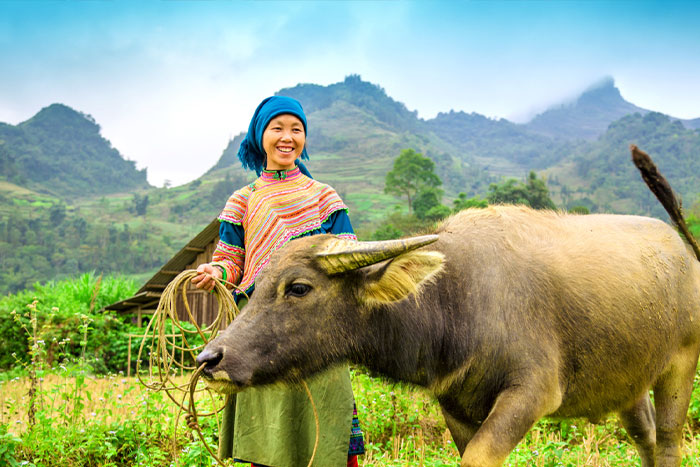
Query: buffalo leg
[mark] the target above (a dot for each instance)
(515, 411)
(461, 432)
(672, 394)
(639, 421)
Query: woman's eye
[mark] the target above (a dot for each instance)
(298, 290)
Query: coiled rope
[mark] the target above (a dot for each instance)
(168, 337)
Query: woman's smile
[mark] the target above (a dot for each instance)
(283, 141)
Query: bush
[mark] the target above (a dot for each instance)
(579, 210)
(62, 313)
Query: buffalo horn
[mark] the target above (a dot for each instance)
(340, 255)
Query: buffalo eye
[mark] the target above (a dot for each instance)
(298, 290)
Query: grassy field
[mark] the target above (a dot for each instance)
(115, 421)
(67, 416)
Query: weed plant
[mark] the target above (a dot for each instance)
(60, 312)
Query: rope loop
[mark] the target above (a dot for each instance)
(168, 337)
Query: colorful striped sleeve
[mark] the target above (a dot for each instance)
(230, 252)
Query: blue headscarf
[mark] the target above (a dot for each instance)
(251, 152)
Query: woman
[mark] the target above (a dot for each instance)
(275, 426)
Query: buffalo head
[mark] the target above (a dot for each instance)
(309, 304)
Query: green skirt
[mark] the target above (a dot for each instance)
(275, 425)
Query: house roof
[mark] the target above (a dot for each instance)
(152, 289)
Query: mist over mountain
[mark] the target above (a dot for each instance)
(588, 116)
(60, 151)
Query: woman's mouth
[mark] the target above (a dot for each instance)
(285, 150)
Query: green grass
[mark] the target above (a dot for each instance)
(121, 423)
(85, 419)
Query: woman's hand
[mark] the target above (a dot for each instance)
(206, 277)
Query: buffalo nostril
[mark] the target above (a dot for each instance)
(210, 357)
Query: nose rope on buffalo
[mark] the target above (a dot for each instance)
(163, 363)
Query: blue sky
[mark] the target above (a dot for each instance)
(170, 82)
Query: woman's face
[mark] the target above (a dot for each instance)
(283, 141)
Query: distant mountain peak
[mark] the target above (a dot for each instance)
(369, 97)
(61, 151)
(602, 93)
(587, 116)
(606, 82)
(61, 115)
(62, 111)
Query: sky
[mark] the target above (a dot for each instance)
(172, 81)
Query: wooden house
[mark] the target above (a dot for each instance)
(203, 305)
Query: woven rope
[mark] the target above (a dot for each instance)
(163, 331)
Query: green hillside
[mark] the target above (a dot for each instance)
(70, 203)
(605, 178)
(501, 147)
(60, 151)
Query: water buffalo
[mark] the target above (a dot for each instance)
(506, 314)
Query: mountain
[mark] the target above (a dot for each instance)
(229, 158)
(355, 132)
(603, 178)
(501, 147)
(588, 116)
(50, 162)
(60, 151)
(693, 124)
(369, 97)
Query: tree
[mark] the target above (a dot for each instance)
(462, 202)
(139, 204)
(387, 232)
(57, 213)
(538, 193)
(426, 199)
(428, 207)
(534, 193)
(437, 213)
(412, 172)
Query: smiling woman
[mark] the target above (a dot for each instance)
(275, 426)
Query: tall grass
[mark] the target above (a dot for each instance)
(120, 423)
(60, 310)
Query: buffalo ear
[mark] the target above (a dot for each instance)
(401, 276)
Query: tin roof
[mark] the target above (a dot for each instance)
(152, 289)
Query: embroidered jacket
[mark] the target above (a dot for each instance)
(265, 215)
